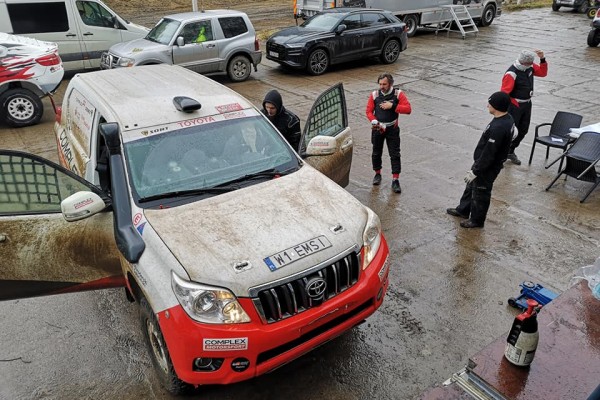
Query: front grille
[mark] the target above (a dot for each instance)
(290, 298)
(277, 48)
(108, 60)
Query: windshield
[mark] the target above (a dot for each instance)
(322, 22)
(206, 157)
(163, 31)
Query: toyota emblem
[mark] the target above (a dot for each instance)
(316, 287)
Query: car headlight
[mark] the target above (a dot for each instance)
(295, 45)
(371, 238)
(126, 62)
(208, 304)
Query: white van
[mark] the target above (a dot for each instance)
(83, 29)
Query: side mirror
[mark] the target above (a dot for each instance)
(180, 41)
(321, 146)
(340, 28)
(81, 205)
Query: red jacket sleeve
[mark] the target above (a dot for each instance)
(370, 109)
(403, 106)
(540, 69)
(508, 84)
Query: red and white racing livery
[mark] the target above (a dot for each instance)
(29, 70)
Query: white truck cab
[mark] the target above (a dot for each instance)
(242, 255)
(83, 29)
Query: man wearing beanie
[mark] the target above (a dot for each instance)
(518, 84)
(489, 157)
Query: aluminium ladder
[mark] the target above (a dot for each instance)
(460, 16)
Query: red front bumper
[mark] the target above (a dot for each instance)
(268, 346)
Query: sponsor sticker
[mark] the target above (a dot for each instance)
(384, 268)
(140, 228)
(83, 203)
(240, 364)
(297, 252)
(225, 344)
(225, 108)
(137, 218)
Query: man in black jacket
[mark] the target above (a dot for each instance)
(284, 120)
(489, 157)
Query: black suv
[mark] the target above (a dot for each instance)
(579, 5)
(339, 35)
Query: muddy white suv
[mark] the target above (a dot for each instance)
(241, 254)
(206, 42)
(29, 70)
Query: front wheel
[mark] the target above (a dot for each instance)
(318, 62)
(239, 68)
(390, 52)
(411, 21)
(555, 7)
(593, 39)
(20, 107)
(489, 12)
(159, 352)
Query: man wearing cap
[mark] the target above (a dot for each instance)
(489, 157)
(518, 84)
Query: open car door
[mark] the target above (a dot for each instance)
(328, 117)
(40, 252)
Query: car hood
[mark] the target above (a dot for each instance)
(25, 46)
(211, 237)
(136, 46)
(295, 34)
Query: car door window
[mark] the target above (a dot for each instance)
(328, 117)
(93, 14)
(33, 185)
(352, 21)
(197, 32)
(370, 20)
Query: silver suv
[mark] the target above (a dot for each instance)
(205, 42)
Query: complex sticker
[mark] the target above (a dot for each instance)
(227, 344)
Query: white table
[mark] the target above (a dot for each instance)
(575, 132)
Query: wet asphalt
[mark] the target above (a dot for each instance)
(449, 286)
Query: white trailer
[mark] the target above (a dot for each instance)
(415, 13)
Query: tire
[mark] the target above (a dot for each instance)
(239, 68)
(555, 7)
(159, 352)
(489, 12)
(390, 52)
(512, 302)
(412, 22)
(593, 39)
(20, 107)
(591, 12)
(318, 62)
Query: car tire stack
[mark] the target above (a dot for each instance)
(20, 107)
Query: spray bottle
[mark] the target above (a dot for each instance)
(523, 337)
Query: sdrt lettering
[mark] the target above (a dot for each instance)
(195, 121)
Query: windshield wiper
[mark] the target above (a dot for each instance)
(188, 192)
(268, 173)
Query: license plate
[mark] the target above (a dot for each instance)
(273, 54)
(297, 252)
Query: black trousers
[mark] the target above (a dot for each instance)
(522, 117)
(391, 137)
(476, 198)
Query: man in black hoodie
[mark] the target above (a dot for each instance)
(284, 120)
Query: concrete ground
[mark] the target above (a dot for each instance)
(449, 286)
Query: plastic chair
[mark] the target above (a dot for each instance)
(581, 158)
(558, 137)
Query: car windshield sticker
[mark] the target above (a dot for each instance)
(297, 252)
(209, 119)
(225, 108)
